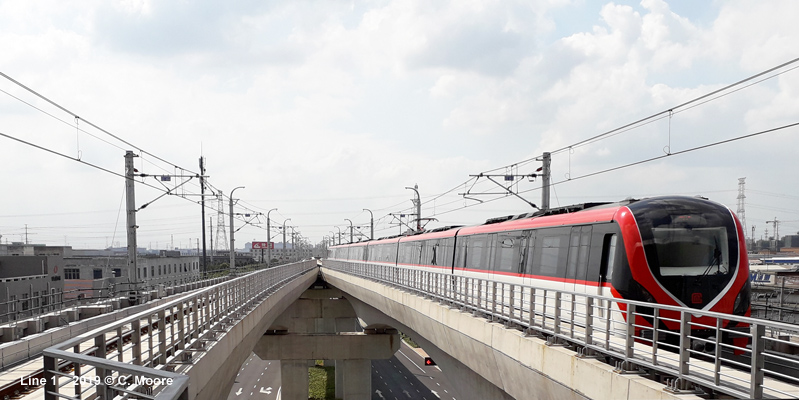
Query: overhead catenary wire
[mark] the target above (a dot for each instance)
(74, 115)
(665, 113)
(651, 159)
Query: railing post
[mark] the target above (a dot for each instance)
(76, 372)
(589, 320)
(685, 344)
(629, 340)
(531, 311)
(758, 360)
(544, 310)
(181, 328)
(50, 378)
(512, 302)
(493, 299)
(136, 341)
(556, 328)
(101, 389)
(162, 337)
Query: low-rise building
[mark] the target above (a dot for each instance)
(30, 285)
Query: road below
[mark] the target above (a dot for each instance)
(405, 377)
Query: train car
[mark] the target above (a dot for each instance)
(674, 250)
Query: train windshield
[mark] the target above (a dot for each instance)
(691, 251)
(690, 245)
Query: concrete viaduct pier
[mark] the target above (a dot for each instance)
(322, 325)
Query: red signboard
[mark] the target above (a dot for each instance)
(263, 245)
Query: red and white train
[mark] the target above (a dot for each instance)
(674, 250)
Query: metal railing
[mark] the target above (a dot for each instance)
(694, 350)
(142, 356)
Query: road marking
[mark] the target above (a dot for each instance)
(409, 359)
(238, 392)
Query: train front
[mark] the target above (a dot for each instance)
(684, 251)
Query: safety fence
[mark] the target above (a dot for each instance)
(690, 350)
(142, 356)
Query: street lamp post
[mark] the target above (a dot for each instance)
(371, 224)
(339, 235)
(232, 241)
(269, 238)
(350, 229)
(284, 235)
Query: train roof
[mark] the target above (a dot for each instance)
(445, 232)
(576, 214)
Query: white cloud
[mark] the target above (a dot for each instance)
(322, 101)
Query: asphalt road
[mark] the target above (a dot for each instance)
(405, 377)
(257, 379)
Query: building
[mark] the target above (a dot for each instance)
(89, 276)
(31, 280)
(282, 253)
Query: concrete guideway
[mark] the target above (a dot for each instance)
(486, 359)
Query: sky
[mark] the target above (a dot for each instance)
(322, 109)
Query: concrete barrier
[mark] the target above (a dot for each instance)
(473, 351)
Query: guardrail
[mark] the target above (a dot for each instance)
(699, 355)
(150, 349)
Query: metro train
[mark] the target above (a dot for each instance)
(672, 250)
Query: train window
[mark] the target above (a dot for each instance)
(579, 247)
(508, 252)
(552, 252)
(432, 252)
(477, 252)
(609, 257)
(445, 251)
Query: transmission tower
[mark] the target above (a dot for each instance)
(776, 224)
(741, 196)
(221, 236)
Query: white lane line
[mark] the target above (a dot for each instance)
(409, 359)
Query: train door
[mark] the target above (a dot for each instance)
(577, 266)
(608, 262)
(508, 256)
(528, 253)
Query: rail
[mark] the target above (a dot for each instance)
(150, 349)
(734, 355)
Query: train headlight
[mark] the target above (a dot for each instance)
(743, 300)
(641, 294)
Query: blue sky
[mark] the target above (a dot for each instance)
(322, 109)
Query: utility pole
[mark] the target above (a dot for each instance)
(285, 252)
(350, 228)
(371, 224)
(202, 207)
(232, 241)
(418, 203)
(545, 174)
(130, 197)
(293, 243)
(269, 237)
